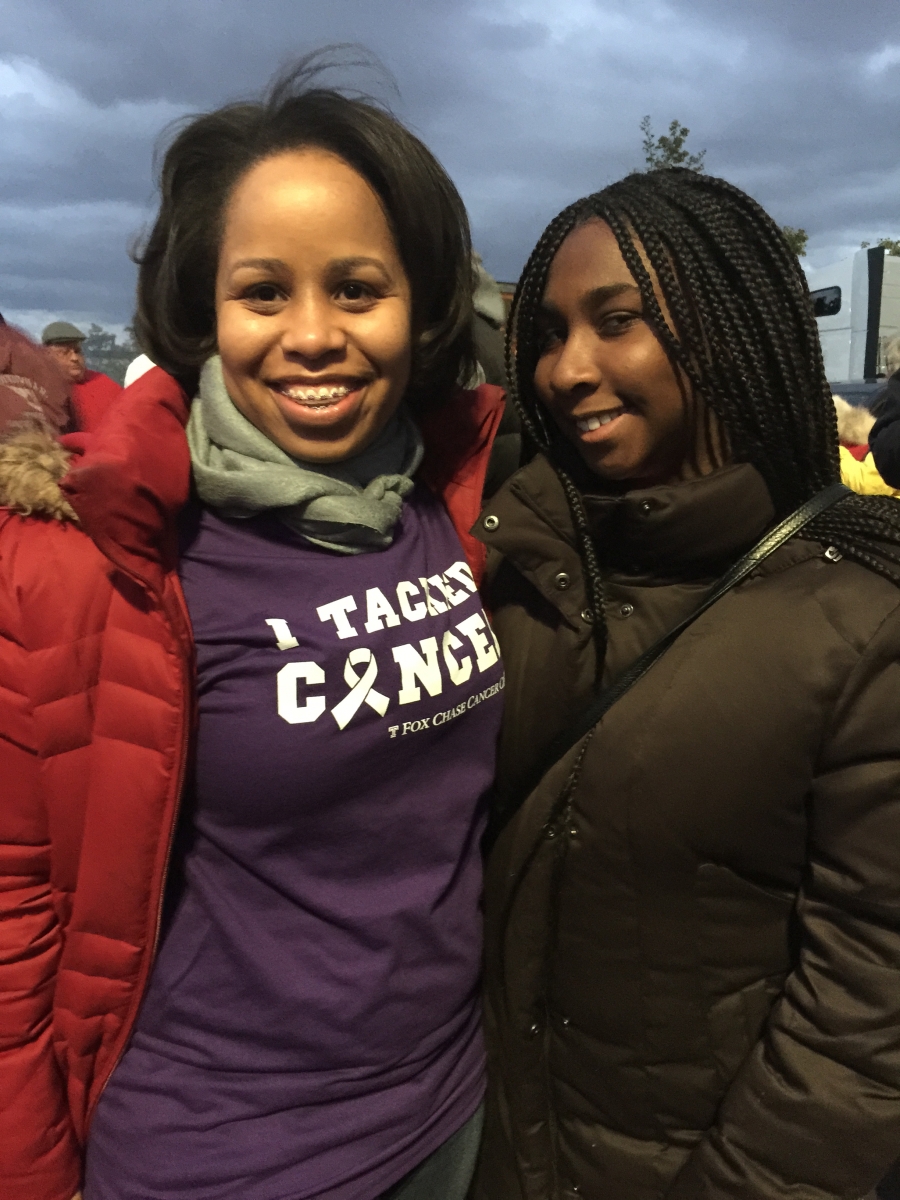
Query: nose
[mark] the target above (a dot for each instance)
(312, 328)
(577, 363)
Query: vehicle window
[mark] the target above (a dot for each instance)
(826, 301)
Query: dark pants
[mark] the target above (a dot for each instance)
(447, 1173)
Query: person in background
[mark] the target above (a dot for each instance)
(488, 328)
(249, 703)
(692, 905)
(858, 470)
(884, 438)
(92, 392)
(488, 324)
(854, 422)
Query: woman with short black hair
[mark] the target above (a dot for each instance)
(249, 698)
(693, 895)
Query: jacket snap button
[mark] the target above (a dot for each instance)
(491, 522)
(562, 580)
(566, 1021)
(833, 554)
(587, 616)
(535, 1029)
(626, 610)
(646, 507)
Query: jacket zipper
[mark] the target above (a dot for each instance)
(561, 820)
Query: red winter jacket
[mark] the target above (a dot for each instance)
(96, 713)
(91, 399)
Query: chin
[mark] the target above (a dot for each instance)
(606, 469)
(325, 449)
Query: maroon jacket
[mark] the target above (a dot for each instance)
(96, 702)
(32, 388)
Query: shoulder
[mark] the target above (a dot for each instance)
(860, 606)
(54, 582)
(31, 465)
(45, 552)
(40, 539)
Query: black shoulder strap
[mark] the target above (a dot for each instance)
(602, 702)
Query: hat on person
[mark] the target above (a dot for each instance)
(61, 331)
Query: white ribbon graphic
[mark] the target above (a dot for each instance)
(362, 690)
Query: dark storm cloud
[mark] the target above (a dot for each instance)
(528, 106)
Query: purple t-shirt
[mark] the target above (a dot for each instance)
(311, 1026)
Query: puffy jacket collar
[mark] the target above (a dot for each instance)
(131, 478)
(686, 529)
(528, 521)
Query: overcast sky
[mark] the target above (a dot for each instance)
(528, 103)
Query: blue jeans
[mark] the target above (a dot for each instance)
(447, 1173)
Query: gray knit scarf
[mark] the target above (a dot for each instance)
(351, 506)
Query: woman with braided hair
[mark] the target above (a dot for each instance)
(693, 900)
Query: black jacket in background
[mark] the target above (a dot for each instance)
(884, 440)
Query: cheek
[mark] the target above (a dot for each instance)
(240, 341)
(658, 381)
(388, 341)
(542, 375)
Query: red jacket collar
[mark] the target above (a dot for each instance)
(131, 478)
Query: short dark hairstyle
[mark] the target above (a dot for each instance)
(742, 330)
(175, 321)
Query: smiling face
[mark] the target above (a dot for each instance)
(602, 372)
(313, 306)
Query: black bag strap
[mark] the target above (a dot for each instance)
(597, 707)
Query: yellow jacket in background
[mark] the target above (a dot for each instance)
(863, 476)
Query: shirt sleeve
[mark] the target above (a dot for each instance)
(815, 1110)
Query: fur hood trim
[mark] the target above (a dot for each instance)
(854, 423)
(31, 465)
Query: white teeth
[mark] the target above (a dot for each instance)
(319, 395)
(588, 424)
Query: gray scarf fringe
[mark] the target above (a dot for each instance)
(351, 506)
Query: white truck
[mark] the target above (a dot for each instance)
(857, 307)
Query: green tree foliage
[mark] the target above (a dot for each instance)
(796, 239)
(104, 353)
(892, 245)
(668, 150)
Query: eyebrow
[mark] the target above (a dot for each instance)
(260, 264)
(595, 297)
(337, 266)
(342, 265)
